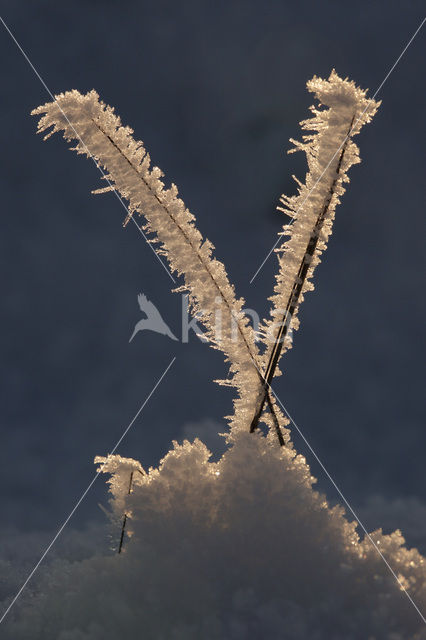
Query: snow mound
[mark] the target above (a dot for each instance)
(235, 549)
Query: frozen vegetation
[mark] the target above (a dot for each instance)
(243, 547)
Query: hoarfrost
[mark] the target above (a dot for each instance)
(235, 549)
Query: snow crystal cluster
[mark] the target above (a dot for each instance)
(228, 550)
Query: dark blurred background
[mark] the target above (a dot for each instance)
(215, 90)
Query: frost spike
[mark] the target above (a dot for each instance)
(100, 135)
(296, 292)
(312, 210)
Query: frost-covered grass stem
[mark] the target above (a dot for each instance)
(296, 291)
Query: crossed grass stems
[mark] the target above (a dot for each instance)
(266, 394)
(288, 314)
(266, 378)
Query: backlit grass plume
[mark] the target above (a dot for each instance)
(330, 152)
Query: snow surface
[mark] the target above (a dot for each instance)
(239, 548)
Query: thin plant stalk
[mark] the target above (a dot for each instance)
(295, 295)
(123, 526)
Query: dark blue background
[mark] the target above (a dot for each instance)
(215, 90)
